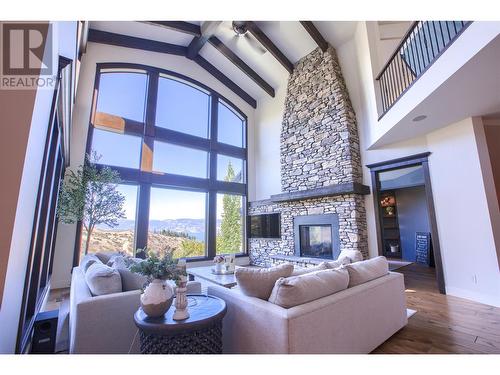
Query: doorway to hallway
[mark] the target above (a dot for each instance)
(404, 212)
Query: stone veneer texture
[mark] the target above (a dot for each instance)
(352, 224)
(319, 147)
(319, 135)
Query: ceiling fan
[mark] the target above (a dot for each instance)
(236, 30)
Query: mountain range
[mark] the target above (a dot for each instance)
(193, 227)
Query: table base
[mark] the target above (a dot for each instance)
(203, 341)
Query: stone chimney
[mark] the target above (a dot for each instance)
(319, 135)
(321, 170)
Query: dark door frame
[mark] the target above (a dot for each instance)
(408, 161)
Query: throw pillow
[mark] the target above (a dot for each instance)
(102, 279)
(297, 271)
(88, 260)
(259, 282)
(338, 263)
(351, 255)
(367, 270)
(297, 290)
(104, 256)
(130, 280)
(113, 257)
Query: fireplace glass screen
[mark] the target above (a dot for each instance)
(316, 241)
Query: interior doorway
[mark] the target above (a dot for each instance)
(405, 216)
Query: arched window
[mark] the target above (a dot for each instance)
(180, 150)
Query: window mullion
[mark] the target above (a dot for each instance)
(212, 194)
(151, 104)
(142, 216)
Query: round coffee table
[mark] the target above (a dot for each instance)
(201, 333)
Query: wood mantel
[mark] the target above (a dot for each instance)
(326, 191)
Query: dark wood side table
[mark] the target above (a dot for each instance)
(201, 333)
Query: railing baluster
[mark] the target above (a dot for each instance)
(383, 91)
(430, 40)
(415, 53)
(447, 23)
(442, 34)
(415, 60)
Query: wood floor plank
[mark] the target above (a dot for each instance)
(442, 324)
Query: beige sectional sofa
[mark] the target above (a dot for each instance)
(354, 320)
(104, 324)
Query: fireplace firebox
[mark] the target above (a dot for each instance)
(317, 236)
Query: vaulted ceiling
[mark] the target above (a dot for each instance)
(252, 68)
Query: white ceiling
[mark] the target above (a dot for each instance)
(289, 36)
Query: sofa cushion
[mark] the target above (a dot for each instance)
(104, 256)
(297, 290)
(362, 272)
(113, 257)
(351, 255)
(338, 263)
(130, 280)
(259, 282)
(88, 260)
(297, 271)
(102, 279)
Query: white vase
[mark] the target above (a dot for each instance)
(394, 248)
(157, 298)
(218, 267)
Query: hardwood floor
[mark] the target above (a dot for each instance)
(442, 324)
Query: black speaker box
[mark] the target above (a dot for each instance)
(44, 332)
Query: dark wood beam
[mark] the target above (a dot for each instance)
(120, 40)
(180, 26)
(231, 56)
(315, 34)
(196, 45)
(269, 45)
(199, 41)
(225, 80)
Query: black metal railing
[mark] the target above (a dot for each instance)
(424, 42)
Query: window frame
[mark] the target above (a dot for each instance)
(150, 132)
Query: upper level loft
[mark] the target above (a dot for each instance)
(428, 74)
(421, 45)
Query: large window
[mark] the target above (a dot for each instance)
(180, 150)
(120, 237)
(177, 222)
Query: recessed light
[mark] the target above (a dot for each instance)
(420, 118)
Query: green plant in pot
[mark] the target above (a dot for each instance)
(158, 295)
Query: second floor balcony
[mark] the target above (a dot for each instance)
(435, 73)
(423, 43)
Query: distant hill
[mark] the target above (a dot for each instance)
(193, 227)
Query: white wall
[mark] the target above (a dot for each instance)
(464, 224)
(268, 117)
(99, 53)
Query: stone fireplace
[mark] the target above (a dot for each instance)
(316, 236)
(321, 204)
